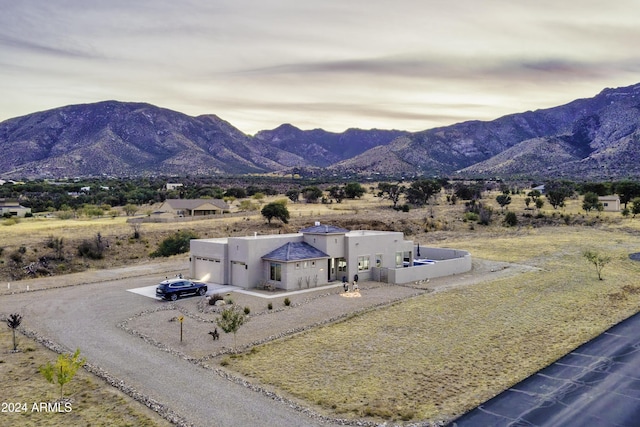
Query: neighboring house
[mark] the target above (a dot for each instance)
(610, 203)
(194, 207)
(540, 188)
(172, 186)
(319, 255)
(11, 206)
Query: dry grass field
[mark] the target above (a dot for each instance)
(438, 355)
(430, 357)
(92, 402)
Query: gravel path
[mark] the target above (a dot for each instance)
(94, 312)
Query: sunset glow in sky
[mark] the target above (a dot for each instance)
(332, 64)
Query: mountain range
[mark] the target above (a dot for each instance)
(595, 138)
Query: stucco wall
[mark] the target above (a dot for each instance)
(448, 262)
(303, 278)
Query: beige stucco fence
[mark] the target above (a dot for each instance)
(447, 262)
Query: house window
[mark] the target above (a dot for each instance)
(313, 264)
(363, 263)
(342, 265)
(378, 260)
(398, 259)
(305, 264)
(297, 266)
(275, 272)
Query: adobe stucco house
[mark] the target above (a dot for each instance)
(319, 255)
(13, 207)
(610, 203)
(193, 207)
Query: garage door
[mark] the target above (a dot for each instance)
(209, 270)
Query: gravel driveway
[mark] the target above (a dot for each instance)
(91, 315)
(86, 317)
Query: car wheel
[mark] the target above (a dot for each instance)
(202, 291)
(174, 297)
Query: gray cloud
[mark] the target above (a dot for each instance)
(337, 63)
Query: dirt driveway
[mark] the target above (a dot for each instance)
(94, 312)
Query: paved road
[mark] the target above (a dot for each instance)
(86, 317)
(597, 385)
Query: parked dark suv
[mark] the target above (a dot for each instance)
(173, 289)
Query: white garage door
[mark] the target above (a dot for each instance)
(209, 270)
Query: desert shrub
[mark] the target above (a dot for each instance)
(470, 216)
(229, 300)
(510, 219)
(485, 216)
(16, 257)
(28, 215)
(174, 245)
(214, 298)
(88, 249)
(247, 310)
(65, 214)
(7, 215)
(287, 302)
(270, 306)
(10, 221)
(484, 213)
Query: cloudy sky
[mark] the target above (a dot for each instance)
(334, 64)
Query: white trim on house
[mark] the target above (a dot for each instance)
(317, 256)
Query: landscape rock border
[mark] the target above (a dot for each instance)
(201, 362)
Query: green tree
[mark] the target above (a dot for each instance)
(237, 192)
(311, 194)
(179, 243)
(598, 260)
(421, 191)
(468, 192)
(591, 202)
(230, 320)
(276, 210)
(13, 321)
(391, 192)
(510, 219)
(503, 200)
(627, 190)
(130, 209)
(64, 369)
(635, 206)
(337, 193)
(293, 194)
(557, 193)
(354, 190)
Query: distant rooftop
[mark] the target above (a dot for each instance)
(295, 251)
